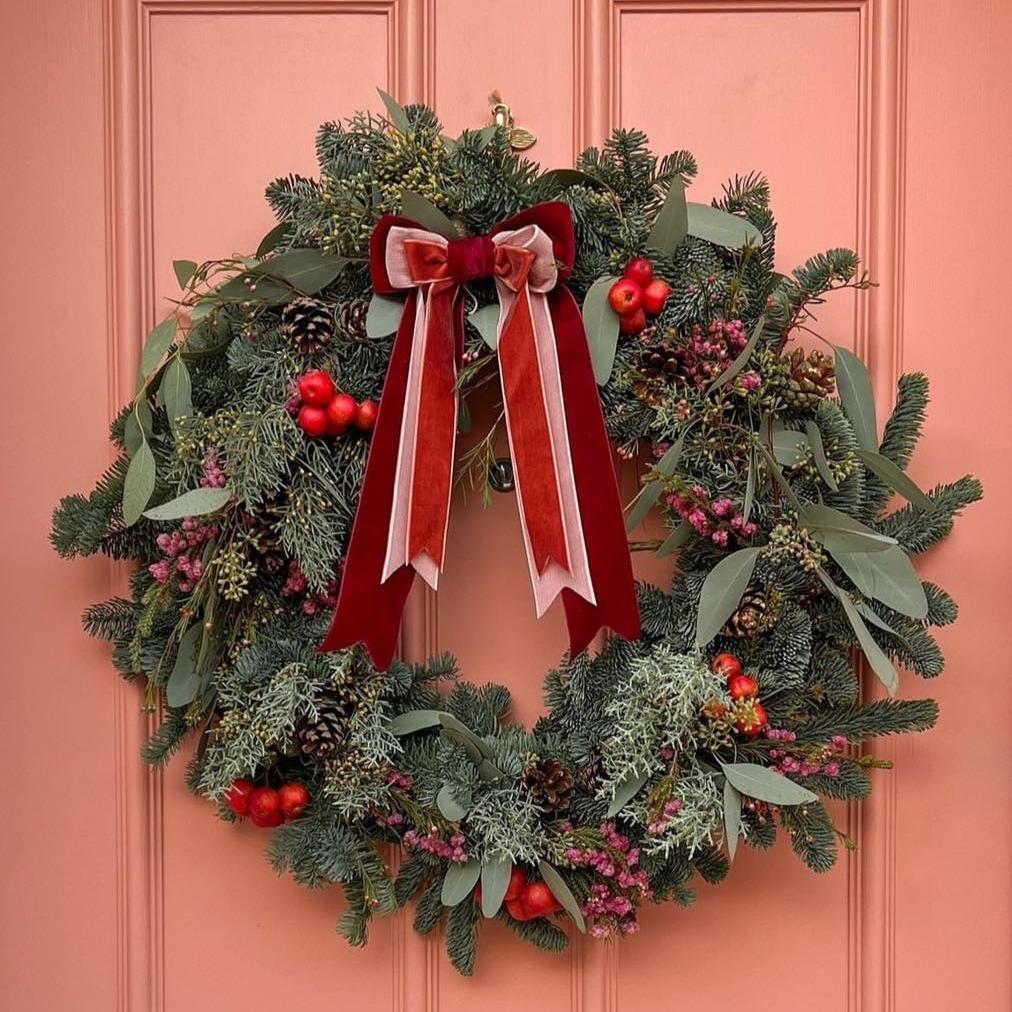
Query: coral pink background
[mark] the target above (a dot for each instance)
(136, 131)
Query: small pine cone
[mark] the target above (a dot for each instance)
(588, 777)
(308, 324)
(270, 554)
(659, 363)
(351, 319)
(551, 785)
(812, 378)
(322, 737)
(749, 618)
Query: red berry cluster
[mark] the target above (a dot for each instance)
(322, 411)
(748, 714)
(265, 806)
(637, 295)
(526, 900)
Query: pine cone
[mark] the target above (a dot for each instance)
(322, 737)
(659, 363)
(550, 783)
(750, 618)
(308, 324)
(351, 319)
(812, 378)
(589, 776)
(269, 551)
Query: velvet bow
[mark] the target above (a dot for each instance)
(565, 479)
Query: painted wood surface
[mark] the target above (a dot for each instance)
(137, 131)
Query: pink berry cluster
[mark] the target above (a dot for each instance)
(451, 849)
(296, 584)
(611, 905)
(213, 476)
(710, 350)
(181, 551)
(671, 808)
(716, 519)
(392, 818)
(825, 761)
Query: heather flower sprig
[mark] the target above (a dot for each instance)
(617, 886)
(718, 519)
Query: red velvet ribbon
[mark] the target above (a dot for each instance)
(370, 607)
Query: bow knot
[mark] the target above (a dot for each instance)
(471, 259)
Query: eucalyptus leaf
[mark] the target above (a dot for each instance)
(185, 269)
(672, 223)
(895, 478)
(485, 320)
(462, 731)
(383, 316)
(764, 784)
(819, 454)
(741, 359)
(203, 307)
(308, 270)
(272, 240)
(840, 532)
(869, 616)
(887, 576)
(600, 322)
(876, 656)
(139, 483)
(750, 483)
(458, 882)
(495, 881)
(395, 111)
(197, 502)
(175, 390)
(732, 817)
(449, 806)
(488, 771)
(854, 384)
(184, 680)
(722, 591)
(642, 504)
(486, 135)
(626, 791)
(466, 743)
(720, 227)
(252, 286)
(157, 344)
(418, 209)
(789, 447)
(782, 482)
(672, 455)
(562, 892)
(561, 178)
(137, 427)
(414, 720)
(676, 539)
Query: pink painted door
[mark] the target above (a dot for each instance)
(137, 131)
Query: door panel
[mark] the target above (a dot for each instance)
(880, 123)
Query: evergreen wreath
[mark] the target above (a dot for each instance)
(731, 718)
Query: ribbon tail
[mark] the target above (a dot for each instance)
(369, 608)
(597, 490)
(539, 448)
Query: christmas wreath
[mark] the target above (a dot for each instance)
(728, 707)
